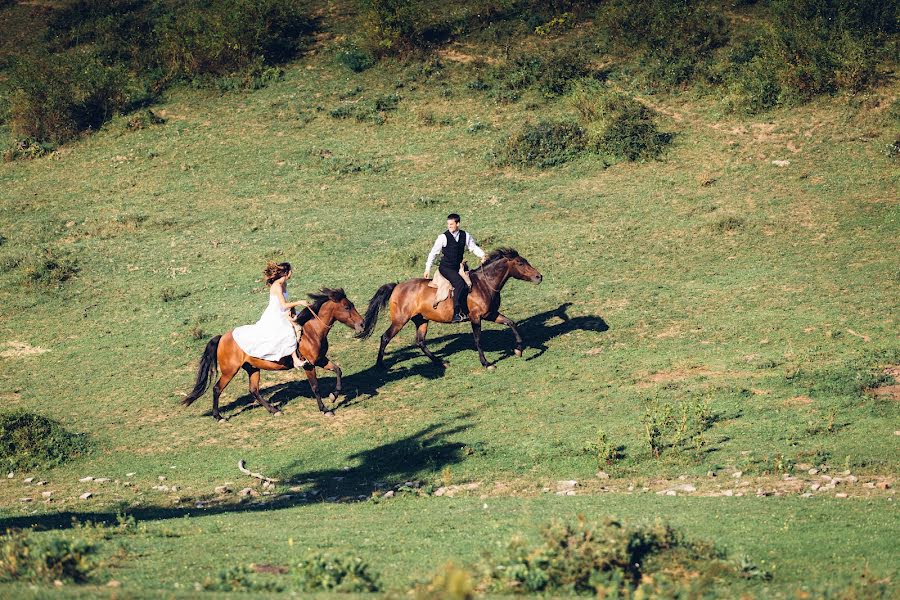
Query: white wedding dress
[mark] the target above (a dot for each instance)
(270, 338)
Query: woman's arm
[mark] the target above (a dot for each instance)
(278, 291)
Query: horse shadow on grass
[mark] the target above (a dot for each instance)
(387, 466)
(408, 361)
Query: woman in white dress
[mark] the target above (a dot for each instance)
(273, 336)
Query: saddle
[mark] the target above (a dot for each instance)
(442, 284)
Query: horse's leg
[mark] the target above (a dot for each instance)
(421, 324)
(338, 386)
(314, 385)
(388, 335)
(254, 374)
(476, 333)
(504, 320)
(228, 371)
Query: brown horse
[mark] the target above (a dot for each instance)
(413, 300)
(222, 353)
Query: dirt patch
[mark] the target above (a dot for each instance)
(683, 374)
(15, 349)
(798, 401)
(890, 392)
(455, 55)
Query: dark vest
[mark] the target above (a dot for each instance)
(452, 255)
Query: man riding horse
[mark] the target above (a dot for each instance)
(452, 244)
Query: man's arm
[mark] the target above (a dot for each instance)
(439, 244)
(472, 247)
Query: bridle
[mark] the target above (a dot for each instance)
(313, 313)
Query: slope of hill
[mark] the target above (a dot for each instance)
(721, 319)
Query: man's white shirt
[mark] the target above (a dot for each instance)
(441, 242)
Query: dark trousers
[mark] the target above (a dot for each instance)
(460, 289)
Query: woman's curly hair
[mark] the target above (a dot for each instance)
(275, 271)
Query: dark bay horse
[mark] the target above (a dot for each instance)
(412, 300)
(222, 353)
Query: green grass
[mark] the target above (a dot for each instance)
(709, 276)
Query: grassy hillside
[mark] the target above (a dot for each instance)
(738, 297)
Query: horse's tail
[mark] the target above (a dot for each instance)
(209, 364)
(376, 305)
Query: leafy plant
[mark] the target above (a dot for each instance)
(31, 441)
(328, 572)
(25, 557)
(545, 144)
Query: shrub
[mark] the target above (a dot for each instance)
(240, 579)
(28, 149)
(553, 75)
(608, 560)
(618, 125)
(354, 58)
(144, 119)
(30, 441)
(45, 560)
(57, 96)
(327, 572)
(674, 38)
(225, 36)
(810, 47)
(451, 583)
(393, 25)
(545, 144)
(50, 268)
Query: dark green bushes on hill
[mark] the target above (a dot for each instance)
(674, 39)
(56, 96)
(617, 125)
(809, 48)
(613, 561)
(544, 144)
(106, 57)
(24, 557)
(30, 441)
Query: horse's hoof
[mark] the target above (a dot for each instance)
(221, 421)
(445, 363)
(277, 413)
(328, 413)
(332, 396)
(491, 367)
(518, 352)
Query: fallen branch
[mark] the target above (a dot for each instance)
(247, 471)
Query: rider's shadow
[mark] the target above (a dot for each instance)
(536, 331)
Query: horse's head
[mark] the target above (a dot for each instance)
(520, 268)
(334, 303)
(518, 265)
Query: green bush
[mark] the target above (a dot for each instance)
(354, 58)
(545, 144)
(49, 268)
(108, 56)
(220, 37)
(553, 75)
(23, 557)
(674, 38)
(240, 579)
(810, 47)
(618, 126)
(57, 96)
(327, 572)
(30, 441)
(393, 25)
(611, 560)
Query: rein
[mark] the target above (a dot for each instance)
(313, 313)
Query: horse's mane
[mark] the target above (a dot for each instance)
(318, 299)
(498, 254)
